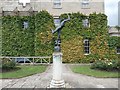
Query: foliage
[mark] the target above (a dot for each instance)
(37, 40)
(6, 64)
(109, 65)
(113, 41)
(74, 32)
(43, 35)
(17, 41)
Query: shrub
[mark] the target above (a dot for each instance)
(109, 65)
(7, 64)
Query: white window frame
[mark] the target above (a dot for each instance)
(25, 24)
(88, 46)
(117, 50)
(86, 23)
(56, 23)
(85, 4)
(57, 4)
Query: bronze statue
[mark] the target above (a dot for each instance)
(58, 29)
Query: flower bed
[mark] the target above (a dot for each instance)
(109, 65)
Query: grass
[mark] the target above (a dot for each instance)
(86, 70)
(23, 72)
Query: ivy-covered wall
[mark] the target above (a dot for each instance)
(43, 36)
(17, 41)
(38, 40)
(74, 33)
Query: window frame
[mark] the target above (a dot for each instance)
(85, 4)
(57, 4)
(58, 23)
(86, 45)
(117, 50)
(25, 26)
(86, 24)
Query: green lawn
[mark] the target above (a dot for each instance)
(85, 69)
(23, 72)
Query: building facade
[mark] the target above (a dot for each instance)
(119, 13)
(87, 42)
(54, 7)
(114, 32)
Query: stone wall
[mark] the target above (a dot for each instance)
(66, 6)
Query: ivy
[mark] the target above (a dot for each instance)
(114, 42)
(37, 39)
(15, 40)
(43, 36)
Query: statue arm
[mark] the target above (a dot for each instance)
(63, 22)
(53, 31)
(61, 25)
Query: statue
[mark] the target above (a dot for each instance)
(58, 29)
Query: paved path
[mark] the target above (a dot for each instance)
(72, 80)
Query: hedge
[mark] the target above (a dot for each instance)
(38, 40)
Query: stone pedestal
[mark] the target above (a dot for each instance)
(57, 80)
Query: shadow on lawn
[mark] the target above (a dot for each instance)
(9, 70)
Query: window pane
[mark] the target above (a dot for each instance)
(86, 46)
(85, 3)
(57, 3)
(25, 24)
(85, 23)
(56, 22)
(118, 50)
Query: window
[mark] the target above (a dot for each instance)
(85, 23)
(118, 50)
(56, 21)
(25, 24)
(57, 4)
(85, 4)
(86, 47)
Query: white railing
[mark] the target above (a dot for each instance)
(38, 59)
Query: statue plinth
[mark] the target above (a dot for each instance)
(57, 80)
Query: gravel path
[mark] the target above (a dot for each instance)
(72, 80)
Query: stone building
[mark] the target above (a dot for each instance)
(114, 32)
(119, 13)
(54, 7)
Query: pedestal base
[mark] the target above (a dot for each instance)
(57, 84)
(57, 80)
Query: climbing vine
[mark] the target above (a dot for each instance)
(37, 39)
